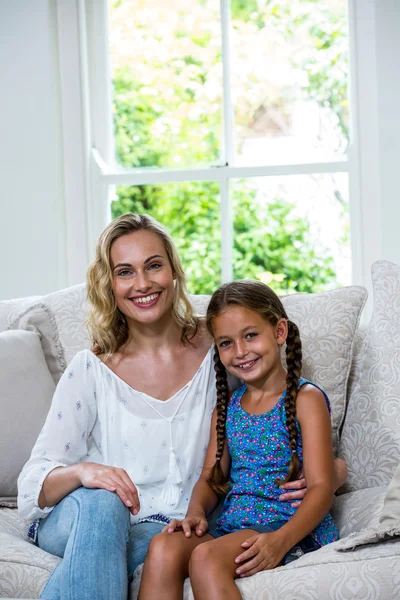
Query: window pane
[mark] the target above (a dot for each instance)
(292, 232)
(167, 75)
(289, 80)
(191, 214)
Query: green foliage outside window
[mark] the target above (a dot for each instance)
(271, 242)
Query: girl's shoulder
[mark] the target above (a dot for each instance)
(308, 388)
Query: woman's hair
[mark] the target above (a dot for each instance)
(258, 297)
(108, 328)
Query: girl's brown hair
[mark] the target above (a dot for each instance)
(256, 296)
(108, 328)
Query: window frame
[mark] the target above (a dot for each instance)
(89, 18)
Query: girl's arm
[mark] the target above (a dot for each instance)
(203, 499)
(315, 425)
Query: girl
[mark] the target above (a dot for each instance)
(272, 426)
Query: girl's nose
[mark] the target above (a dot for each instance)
(240, 349)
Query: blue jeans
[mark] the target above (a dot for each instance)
(90, 530)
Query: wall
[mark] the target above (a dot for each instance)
(32, 254)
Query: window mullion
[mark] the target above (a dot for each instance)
(228, 146)
(226, 231)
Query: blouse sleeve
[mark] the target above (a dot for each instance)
(63, 439)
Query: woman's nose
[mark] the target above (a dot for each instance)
(142, 282)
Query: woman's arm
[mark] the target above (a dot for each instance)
(55, 468)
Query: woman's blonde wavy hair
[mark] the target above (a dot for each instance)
(108, 328)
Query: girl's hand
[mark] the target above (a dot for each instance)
(113, 479)
(294, 490)
(198, 523)
(264, 551)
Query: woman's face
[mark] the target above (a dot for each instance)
(143, 281)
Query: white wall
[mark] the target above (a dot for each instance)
(32, 254)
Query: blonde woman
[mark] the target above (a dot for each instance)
(124, 441)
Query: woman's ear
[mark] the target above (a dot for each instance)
(281, 331)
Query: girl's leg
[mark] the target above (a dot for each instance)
(140, 536)
(166, 565)
(89, 529)
(212, 567)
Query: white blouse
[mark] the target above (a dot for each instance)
(96, 416)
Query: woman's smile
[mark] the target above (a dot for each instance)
(145, 301)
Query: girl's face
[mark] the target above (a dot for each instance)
(248, 345)
(143, 281)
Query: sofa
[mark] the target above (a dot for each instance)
(358, 366)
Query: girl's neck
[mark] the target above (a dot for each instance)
(166, 333)
(274, 383)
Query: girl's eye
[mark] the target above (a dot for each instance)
(251, 335)
(224, 344)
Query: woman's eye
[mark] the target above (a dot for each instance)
(250, 336)
(155, 266)
(124, 272)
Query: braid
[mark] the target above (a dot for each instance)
(217, 480)
(294, 364)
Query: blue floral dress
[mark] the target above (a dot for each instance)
(260, 453)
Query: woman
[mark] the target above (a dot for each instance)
(125, 438)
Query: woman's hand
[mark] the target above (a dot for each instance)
(113, 479)
(263, 551)
(294, 490)
(197, 523)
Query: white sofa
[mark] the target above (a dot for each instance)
(360, 370)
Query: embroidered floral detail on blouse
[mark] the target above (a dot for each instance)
(126, 445)
(70, 375)
(25, 496)
(94, 394)
(83, 435)
(143, 424)
(123, 401)
(89, 364)
(44, 453)
(182, 418)
(59, 415)
(79, 405)
(43, 468)
(164, 443)
(67, 446)
(145, 469)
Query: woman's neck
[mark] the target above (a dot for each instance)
(166, 333)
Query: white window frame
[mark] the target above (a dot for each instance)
(91, 123)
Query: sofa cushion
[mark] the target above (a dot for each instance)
(24, 568)
(370, 440)
(10, 309)
(26, 390)
(328, 324)
(39, 318)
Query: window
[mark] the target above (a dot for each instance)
(231, 127)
